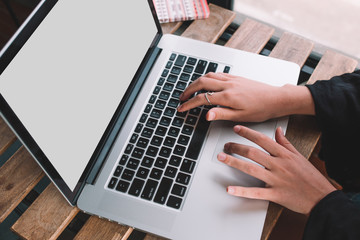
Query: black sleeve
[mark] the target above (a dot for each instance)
(335, 217)
(337, 110)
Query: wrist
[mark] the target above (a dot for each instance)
(295, 100)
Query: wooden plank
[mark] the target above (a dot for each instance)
(17, 177)
(169, 28)
(98, 229)
(47, 217)
(332, 64)
(210, 29)
(7, 137)
(295, 49)
(251, 36)
(153, 237)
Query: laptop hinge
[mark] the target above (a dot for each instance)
(120, 120)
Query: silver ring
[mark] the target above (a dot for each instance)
(206, 97)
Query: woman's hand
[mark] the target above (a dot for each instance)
(291, 180)
(246, 100)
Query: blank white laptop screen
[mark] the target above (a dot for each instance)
(67, 81)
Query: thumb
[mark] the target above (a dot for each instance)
(283, 141)
(219, 113)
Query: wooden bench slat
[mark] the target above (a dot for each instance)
(47, 217)
(209, 30)
(251, 36)
(332, 64)
(169, 28)
(293, 48)
(17, 177)
(96, 228)
(7, 137)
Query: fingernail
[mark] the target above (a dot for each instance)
(221, 157)
(211, 116)
(237, 128)
(230, 190)
(281, 131)
(179, 108)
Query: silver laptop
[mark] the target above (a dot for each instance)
(91, 89)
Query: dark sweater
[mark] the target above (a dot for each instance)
(337, 110)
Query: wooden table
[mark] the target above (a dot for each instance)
(50, 214)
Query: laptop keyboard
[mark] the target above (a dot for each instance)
(161, 155)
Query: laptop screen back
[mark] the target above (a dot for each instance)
(69, 78)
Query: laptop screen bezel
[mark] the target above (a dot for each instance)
(10, 51)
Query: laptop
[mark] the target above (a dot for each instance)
(91, 89)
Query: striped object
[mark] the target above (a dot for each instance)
(181, 10)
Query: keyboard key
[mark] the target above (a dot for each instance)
(195, 111)
(164, 95)
(176, 70)
(161, 81)
(147, 162)
(174, 202)
(133, 163)
(198, 138)
(112, 183)
(161, 131)
(173, 102)
(143, 118)
(118, 171)
(212, 67)
(169, 111)
(156, 113)
(165, 152)
(172, 78)
(178, 190)
(136, 187)
(168, 87)
(147, 132)
(175, 161)
(176, 94)
(181, 85)
(170, 172)
(160, 162)
(128, 174)
(172, 57)
(226, 69)
(165, 73)
(179, 150)
(169, 64)
(174, 132)
(169, 141)
(138, 127)
(122, 186)
(151, 123)
(191, 120)
(195, 76)
(181, 114)
(165, 121)
(185, 77)
(148, 108)
(183, 178)
(156, 173)
(143, 142)
(138, 153)
(191, 61)
(187, 130)
(163, 190)
(129, 148)
(152, 99)
(149, 189)
(157, 90)
(184, 140)
(180, 61)
(178, 122)
(142, 173)
(187, 166)
(152, 151)
(188, 69)
(156, 141)
(200, 67)
(134, 137)
(123, 159)
(160, 104)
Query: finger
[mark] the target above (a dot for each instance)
(245, 166)
(251, 192)
(200, 100)
(260, 139)
(282, 140)
(249, 152)
(218, 113)
(202, 83)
